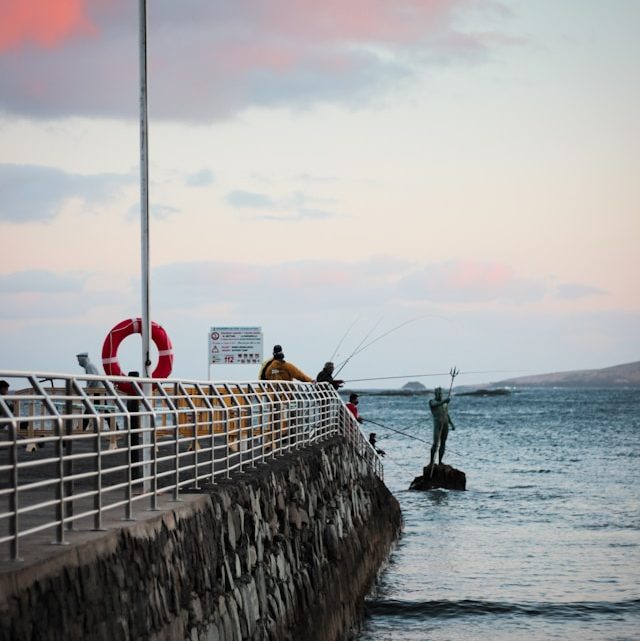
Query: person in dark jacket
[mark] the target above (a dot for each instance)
(326, 376)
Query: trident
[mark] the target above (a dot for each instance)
(453, 372)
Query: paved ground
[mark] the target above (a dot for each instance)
(41, 467)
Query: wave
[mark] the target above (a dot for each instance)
(471, 607)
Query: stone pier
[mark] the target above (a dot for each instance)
(286, 551)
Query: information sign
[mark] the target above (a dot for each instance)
(235, 345)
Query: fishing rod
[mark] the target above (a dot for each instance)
(416, 438)
(355, 351)
(386, 378)
(361, 348)
(335, 351)
(386, 427)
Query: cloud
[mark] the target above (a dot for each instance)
(290, 290)
(208, 60)
(202, 178)
(241, 198)
(42, 24)
(573, 291)
(292, 285)
(157, 211)
(39, 281)
(291, 209)
(31, 193)
(469, 282)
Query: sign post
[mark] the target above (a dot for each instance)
(234, 346)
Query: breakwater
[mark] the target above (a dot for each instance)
(285, 551)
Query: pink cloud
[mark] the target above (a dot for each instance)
(470, 282)
(466, 275)
(47, 23)
(357, 20)
(208, 60)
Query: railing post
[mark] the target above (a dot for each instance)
(60, 483)
(14, 503)
(68, 452)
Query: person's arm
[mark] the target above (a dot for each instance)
(453, 427)
(298, 374)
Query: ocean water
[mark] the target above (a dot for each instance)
(545, 542)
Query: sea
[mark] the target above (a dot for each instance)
(545, 541)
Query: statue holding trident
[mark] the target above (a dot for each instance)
(440, 476)
(441, 420)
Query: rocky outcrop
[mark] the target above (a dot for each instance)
(443, 476)
(285, 552)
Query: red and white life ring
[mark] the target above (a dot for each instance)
(119, 333)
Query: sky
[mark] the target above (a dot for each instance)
(444, 182)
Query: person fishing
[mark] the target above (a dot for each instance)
(326, 376)
(352, 406)
(441, 420)
(373, 439)
(263, 368)
(279, 370)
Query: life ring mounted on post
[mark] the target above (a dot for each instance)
(134, 326)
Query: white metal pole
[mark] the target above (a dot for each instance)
(145, 423)
(144, 191)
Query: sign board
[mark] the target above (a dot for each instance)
(235, 345)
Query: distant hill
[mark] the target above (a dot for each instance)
(627, 375)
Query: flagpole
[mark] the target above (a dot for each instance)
(144, 191)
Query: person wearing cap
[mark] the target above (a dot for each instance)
(352, 406)
(263, 368)
(279, 370)
(441, 420)
(326, 376)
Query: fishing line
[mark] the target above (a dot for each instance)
(387, 378)
(335, 351)
(368, 420)
(361, 348)
(355, 351)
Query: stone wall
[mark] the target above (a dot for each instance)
(287, 551)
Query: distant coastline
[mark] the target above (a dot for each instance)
(626, 375)
(617, 376)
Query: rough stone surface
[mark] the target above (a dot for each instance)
(285, 552)
(444, 476)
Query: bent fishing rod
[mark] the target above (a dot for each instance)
(361, 347)
(355, 351)
(335, 351)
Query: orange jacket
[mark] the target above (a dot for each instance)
(283, 371)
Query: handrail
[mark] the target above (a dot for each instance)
(82, 448)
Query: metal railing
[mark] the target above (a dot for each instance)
(73, 448)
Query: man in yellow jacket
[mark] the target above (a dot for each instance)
(280, 370)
